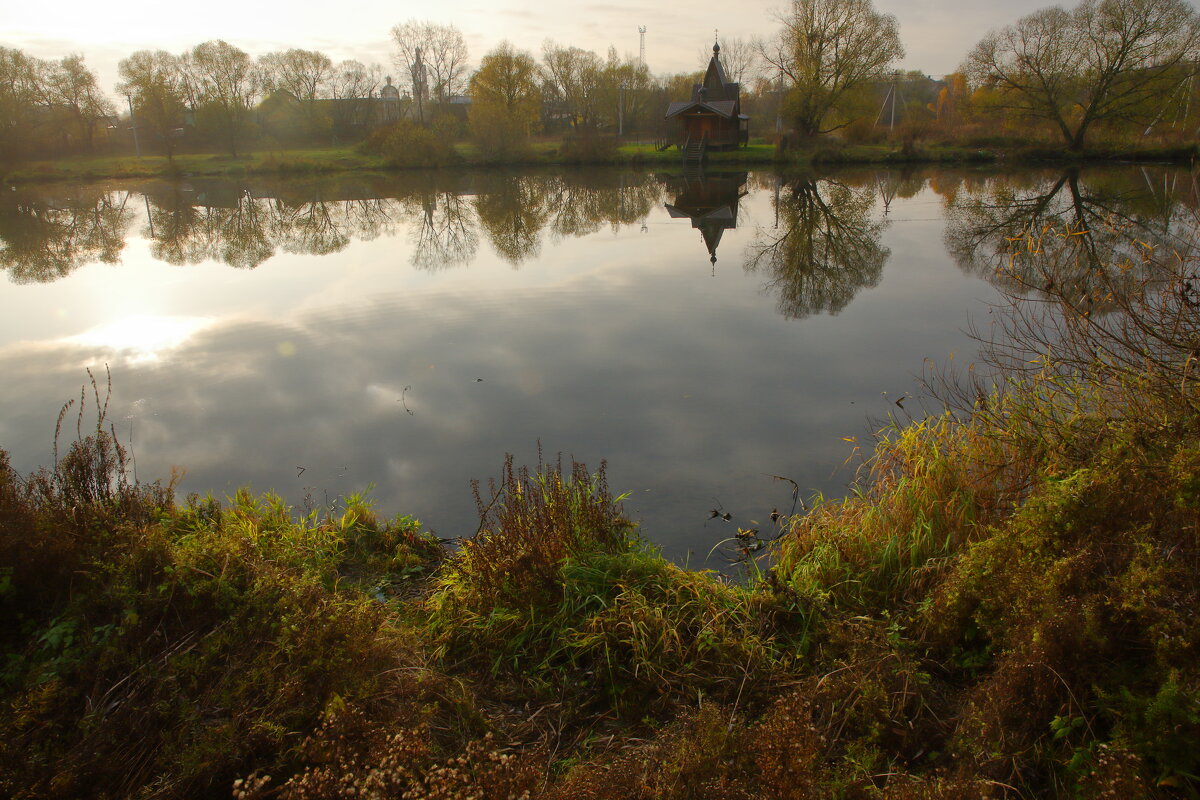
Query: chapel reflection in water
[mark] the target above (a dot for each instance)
(710, 201)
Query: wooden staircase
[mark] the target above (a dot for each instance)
(694, 150)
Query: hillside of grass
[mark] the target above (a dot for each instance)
(1004, 607)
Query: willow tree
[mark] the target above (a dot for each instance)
(19, 93)
(827, 49)
(1104, 60)
(506, 100)
(73, 94)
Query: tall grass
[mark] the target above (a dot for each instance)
(555, 584)
(929, 489)
(156, 650)
(1037, 542)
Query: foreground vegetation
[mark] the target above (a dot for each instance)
(1005, 607)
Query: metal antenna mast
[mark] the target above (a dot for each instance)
(642, 51)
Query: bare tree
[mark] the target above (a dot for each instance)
(303, 73)
(828, 48)
(573, 76)
(432, 60)
(741, 59)
(305, 76)
(228, 82)
(351, 87)
(1103, 60)
(353, 80)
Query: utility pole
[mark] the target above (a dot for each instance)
(892, 125)
(137, 147)
(779, 110)
(621, 113)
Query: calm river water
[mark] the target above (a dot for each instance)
(317, 337)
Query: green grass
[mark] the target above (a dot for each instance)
(272, 162)
(554, 152)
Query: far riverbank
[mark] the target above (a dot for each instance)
(307, 161)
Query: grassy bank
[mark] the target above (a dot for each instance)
(1004, 608)
(552, 153)
(347, 159)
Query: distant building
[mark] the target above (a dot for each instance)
(388, 110)
(714, 114)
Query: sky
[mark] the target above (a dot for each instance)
(936, 33)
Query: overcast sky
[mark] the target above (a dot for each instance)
(936, 33)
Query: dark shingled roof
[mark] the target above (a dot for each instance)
(724, 108)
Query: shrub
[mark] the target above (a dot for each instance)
(407, 144)
(502, 135)
(589, 147)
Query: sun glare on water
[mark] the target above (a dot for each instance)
(142, 338)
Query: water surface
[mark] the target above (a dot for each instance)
(314, 338)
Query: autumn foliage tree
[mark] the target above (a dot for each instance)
(827, 50)
(18, 94)
(1103, 61)
(505, 101)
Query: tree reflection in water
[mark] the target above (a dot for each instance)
(823, 248)
(46, 238)
(585, 203)
(307, 228)
(243, 225)
(1076, 235)
(444, 235)
(1030, 231)
(512, 211)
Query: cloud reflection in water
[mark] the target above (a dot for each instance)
(352, 352)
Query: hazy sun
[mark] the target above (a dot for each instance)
(143, 337)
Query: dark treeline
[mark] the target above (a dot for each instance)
(1107, 72)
